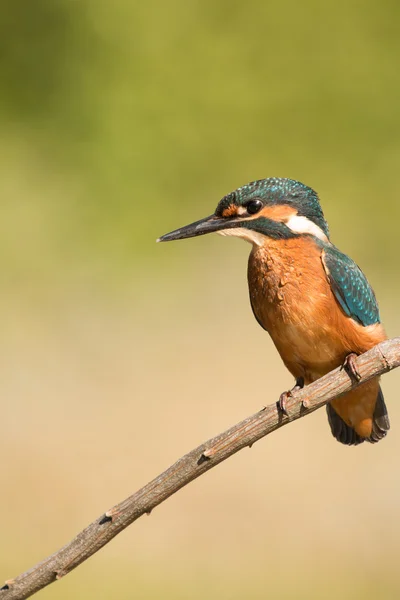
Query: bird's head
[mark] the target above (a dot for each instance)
(267, 208)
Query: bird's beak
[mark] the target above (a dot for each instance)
(207, 225)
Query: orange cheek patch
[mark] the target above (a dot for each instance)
(278, 212)
(230, 211)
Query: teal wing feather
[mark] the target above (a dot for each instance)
(350, 287)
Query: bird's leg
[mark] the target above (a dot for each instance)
(285, 395)
(350, 366)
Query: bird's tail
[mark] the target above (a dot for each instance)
(380, 421)
(346, 434)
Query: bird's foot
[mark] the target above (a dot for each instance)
(350, 366)
(285, 395)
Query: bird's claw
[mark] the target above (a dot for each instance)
(282, 402)
(350, 366)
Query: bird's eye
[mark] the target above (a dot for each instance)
(254, 206)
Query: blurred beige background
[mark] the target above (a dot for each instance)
(121, 121)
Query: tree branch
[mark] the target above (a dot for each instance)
(381, 359)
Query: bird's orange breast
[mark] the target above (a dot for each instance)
(292, 299)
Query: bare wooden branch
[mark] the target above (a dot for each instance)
(381, 359)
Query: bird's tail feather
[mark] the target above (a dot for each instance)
(346, 434)
(380, 423)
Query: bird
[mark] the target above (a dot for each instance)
(313, 300)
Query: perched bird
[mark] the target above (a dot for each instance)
(313, 300)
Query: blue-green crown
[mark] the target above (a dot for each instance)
(276, 190)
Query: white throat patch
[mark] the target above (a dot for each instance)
(255, 238)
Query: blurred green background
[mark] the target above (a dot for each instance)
(119, 122)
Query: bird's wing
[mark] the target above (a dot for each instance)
(350, 287)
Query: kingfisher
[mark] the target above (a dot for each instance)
(312, 299)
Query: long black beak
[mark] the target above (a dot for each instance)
(207, 225)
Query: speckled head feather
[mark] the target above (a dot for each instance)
(275, 191)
